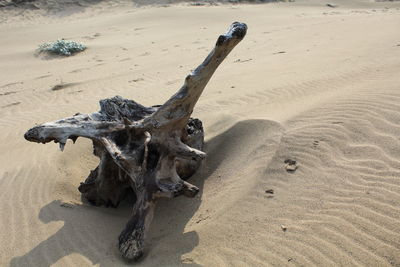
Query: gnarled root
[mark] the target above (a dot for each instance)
(149, 151)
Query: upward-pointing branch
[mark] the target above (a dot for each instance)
(176, 111)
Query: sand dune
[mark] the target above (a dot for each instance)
(310, 83)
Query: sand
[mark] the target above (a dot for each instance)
(309, 83)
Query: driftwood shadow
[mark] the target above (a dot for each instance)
(91, 231)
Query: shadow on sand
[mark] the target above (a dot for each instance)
(92, 232)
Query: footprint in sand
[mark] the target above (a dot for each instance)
(315, 144)
(242, 60)
(9, 84)
(10, 105)
(88, 37)
(62, 86)
(290, 165)
(136, 80)
(8, 93)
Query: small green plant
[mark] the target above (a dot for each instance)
(62, 47)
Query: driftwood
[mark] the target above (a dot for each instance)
(144, 151)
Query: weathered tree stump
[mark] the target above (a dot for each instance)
(145, 151)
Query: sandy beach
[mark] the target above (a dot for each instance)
(310, 83)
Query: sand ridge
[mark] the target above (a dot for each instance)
(309, 83)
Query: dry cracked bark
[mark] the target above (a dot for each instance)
(144, 151)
